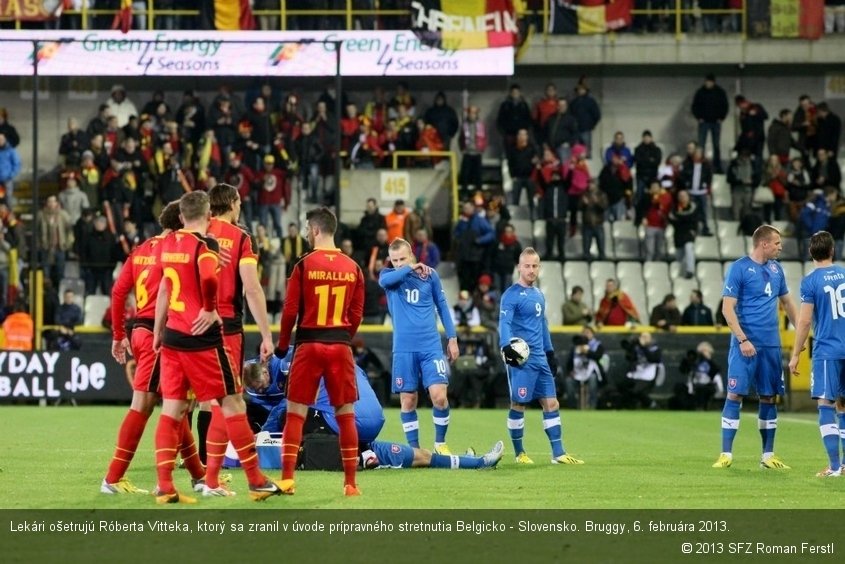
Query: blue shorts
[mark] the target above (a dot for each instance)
(532, 380)
(393, 455)
(764, 370)
(828, 379)
(408, 367)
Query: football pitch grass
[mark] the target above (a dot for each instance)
(56, 457)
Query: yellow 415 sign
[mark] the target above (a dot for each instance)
(395, 185)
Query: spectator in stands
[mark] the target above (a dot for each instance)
(18, 328)
(97, 259)
(814, 217)
(407, 132)
(710, 107)
(486, 299)
(523, 161)
(544, 108)
(99, 123)
(704, 378)
(370, 223)
(8, 129)
(428, 141)
(575, 311)
(68, 316)
(505, 258)
(586, 368)
(242, 178)
(562, 132)
(616, 308)
(593, 204)
(514, 114)
(151, 108)
(120, 106)
(645, 370)
(465, 315)
(834, 16)
(473, 236)
(377, 110)
(780, 139)
(742, 178)
(308, 152)
(697, 179)
(223, 120)
(666, 314)
(293, 247)
(271, 195)
(55, 239)
(128, 240)
(473, 142)
(798, 186)
(696, 313)
(72, 144)
(828, 124)
(366, 152)
(444, 119)
(805, 122)
(10, 168)
(395, 221)
(619, 149)
(403, 99)
(378, 253)
(425, 251)
(825, 172)
(775, 179)
(555, 206)
(73, 199)
(752, 130)
(262, 130)
(89, 178)
(647, 159)
(112, 136)
(616, 183)
(417, 218)
(349, 127)
(683, 219)
(653, 212)
(587, 114)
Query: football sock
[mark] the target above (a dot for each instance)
(348, 446)
(551, 424)
(237, 427)
(841, 418)
(768, 423)
(411, 426)
(516, 428)
(441, 423)
(168, 431)
(217, 440)
(730, 423)
(128, 438)
(203, 421)
(291, 439)
(188, 451)
(830, 434)
(453, 462)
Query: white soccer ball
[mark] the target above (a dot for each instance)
(521, 348)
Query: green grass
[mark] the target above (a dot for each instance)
(56, 458)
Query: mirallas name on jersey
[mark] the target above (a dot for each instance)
(332, 276)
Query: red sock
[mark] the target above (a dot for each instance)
(128, 438)
(167, 443)
(348, 446)
(243, 440)
(188, 450)
(291, 439)
(215, 450)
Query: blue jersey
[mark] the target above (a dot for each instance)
(824, 288)
(756, 288)
(412, 302)
(523, 314)
(393, 455)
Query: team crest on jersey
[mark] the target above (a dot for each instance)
(774, 268)
(269, 183)
(399, 382)
(731, 383)
(522, 392)
(394, 448)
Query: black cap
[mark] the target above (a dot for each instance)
(710, 76)
(647, 132)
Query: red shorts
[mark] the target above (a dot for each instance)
(235, 344)
(147, 364)
(331, 361)
(209, 373)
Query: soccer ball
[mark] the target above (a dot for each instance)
(521, 348)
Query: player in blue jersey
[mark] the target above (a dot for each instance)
(523, 314)
(414, 295)
(383, 454)
(753, 287)
(823, 306)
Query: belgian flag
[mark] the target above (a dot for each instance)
(589, 16)
(226, 15)
(123, 18)
(802, 19)
(466, 24)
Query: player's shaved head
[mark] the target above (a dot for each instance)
(763, 233)
(821, 246)
(194, 206)
(399, 252)
(169, 217)
(399, 243)
(528, 252)
(222, 198)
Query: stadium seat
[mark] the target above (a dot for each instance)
(721, 192)
(446, 269)
(550, 277)
(554, 303)
(72, 269)
(451, 287)
(627, 242)
(524, 231)
(600, 271)
(77, 285)
(670, 242)
(790, 249)
(630, 273)
(95, 308)
(734, 247)
(637, 294)
(707, 248)
(727, 228)
(709, 272)
(577, 273)
(682, 287)
(575, 246)
(539, 234)
(655, 269)
(794, 271)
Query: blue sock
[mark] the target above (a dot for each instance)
(551, 424)
(516, 428)
(453, 462)
(830, 434)
(767, 420)
(730, 423)
(441, 423)
(841, 418)
(411, 426)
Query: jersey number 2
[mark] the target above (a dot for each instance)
(338, 293)
(175, 289)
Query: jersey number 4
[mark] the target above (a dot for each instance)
(768, 289)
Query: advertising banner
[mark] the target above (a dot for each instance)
(184, 53)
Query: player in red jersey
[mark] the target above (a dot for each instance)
(193, 356)
(141, 273)
(238, 277)
(325, 298)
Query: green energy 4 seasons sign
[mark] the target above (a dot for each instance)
(371, 53)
